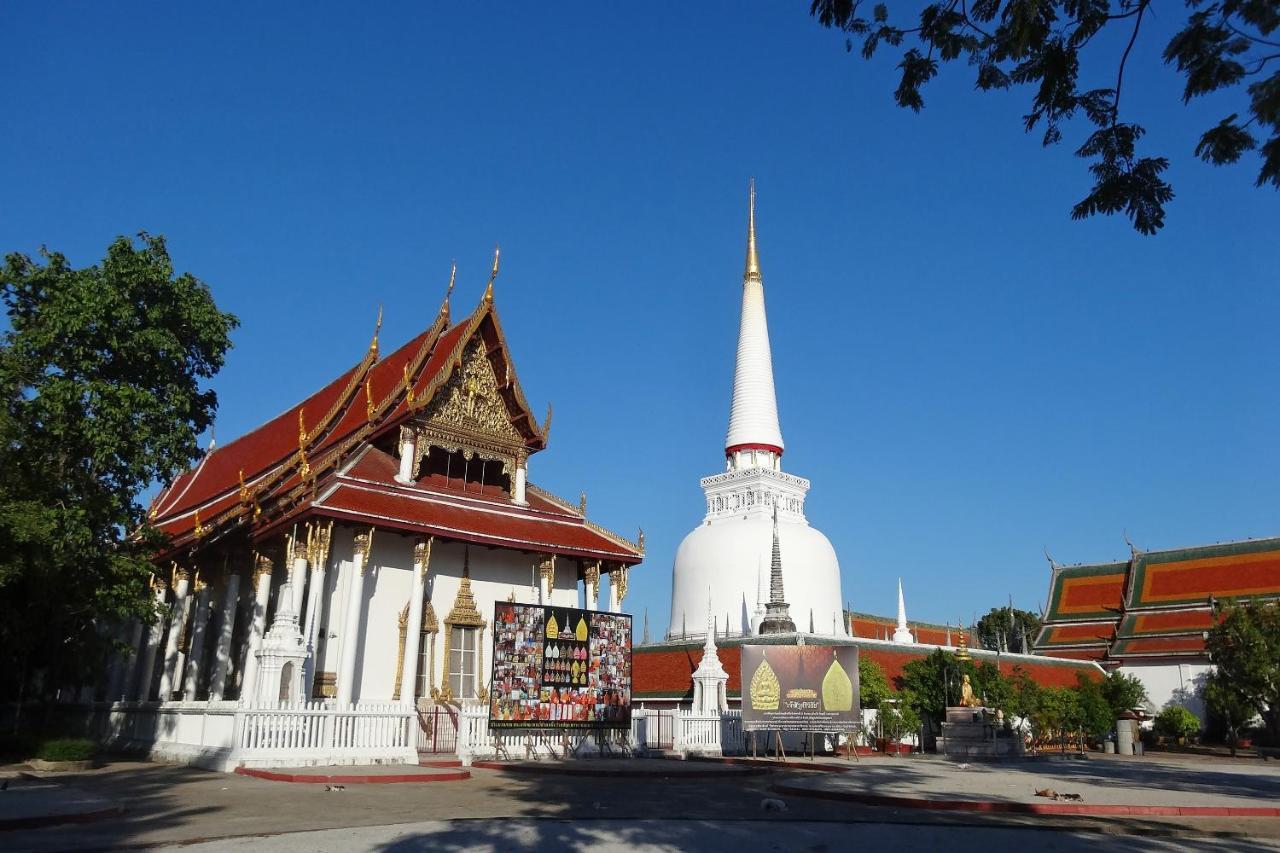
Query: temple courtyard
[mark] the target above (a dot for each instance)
(909, 803)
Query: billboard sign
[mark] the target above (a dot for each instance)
(800, 688)
(559, 667)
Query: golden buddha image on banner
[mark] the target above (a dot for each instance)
(800, 688)
(560, 667)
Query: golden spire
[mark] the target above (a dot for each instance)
(453, 277)
(753, 260)
(373, 345)
(488, 291)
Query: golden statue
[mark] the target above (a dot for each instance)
(967, 699)
(765, 689)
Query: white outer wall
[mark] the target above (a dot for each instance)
(496, 574)
(1173, 684)
(723, 556)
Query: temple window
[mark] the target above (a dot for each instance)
(462, 662)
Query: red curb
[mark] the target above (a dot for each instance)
(339, 779)
(621, 774)
(1099, 810)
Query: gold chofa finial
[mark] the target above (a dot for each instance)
(302, 429)
(753, 260)
(373, 345)
(488, 291)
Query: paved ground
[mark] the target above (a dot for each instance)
(1144, 782)
(176, 805)
(27, 801)
(651, 836)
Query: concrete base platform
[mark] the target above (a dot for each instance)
(373, 774)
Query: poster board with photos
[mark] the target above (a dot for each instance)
(800, 688)
(560, 667)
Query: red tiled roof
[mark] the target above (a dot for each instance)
(875, 627)
(666, 671)
(336, 418)
(368, 491)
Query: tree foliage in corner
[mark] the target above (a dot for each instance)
(1007, 629)
(1245, 648)
(102, 370)
(1224, 44)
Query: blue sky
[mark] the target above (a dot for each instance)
(966, 375)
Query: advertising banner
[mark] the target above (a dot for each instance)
(800, 688)
(560, 667)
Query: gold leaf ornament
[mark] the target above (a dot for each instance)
(581, 631)
(837, 688)
(765, 689)
(553, 628)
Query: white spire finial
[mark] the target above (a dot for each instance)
(753, 418)
(902, 634)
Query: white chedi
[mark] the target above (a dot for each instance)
(730, 551)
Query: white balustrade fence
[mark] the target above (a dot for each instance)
(306, 729)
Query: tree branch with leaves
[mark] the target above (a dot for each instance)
(1224, 44)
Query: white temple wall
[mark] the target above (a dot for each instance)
(388, 583)
(1173, 684)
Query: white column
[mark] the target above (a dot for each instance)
(413, 635)
(177, 618)
(151, 650)
(195, 655)
(521, 483)
(591, 582)
(546, 578)
(298, 581)
(351, 624)
(226, 628)
(126, 662)
(312, 625)
(617, 588)
(257, 626)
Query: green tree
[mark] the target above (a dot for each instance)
(1095, 718)
(992, 687)
(1230, 704)
(1123, 692)
(102, 369)
(933, 682)
(873, 684)
(1177, 721)
(1222, 45)
(899, 719)
(1025, 694)
(1245, 648)
(1007, 629)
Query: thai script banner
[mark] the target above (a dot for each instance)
(559, 667)
(800, 688)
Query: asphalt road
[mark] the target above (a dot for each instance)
(743, 836)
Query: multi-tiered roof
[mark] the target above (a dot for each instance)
(335, 455)
(1157, 604)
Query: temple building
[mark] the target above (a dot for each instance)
(1147, 616)
(727, 557)
(352, 548)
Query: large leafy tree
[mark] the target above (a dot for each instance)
(873, 684)
(1007, 629)
(1074, 55)
(102, 370)
(1245, 648)
(1123, 693)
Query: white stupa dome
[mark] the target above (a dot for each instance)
(726, 559)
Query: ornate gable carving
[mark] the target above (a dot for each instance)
(468, 413)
